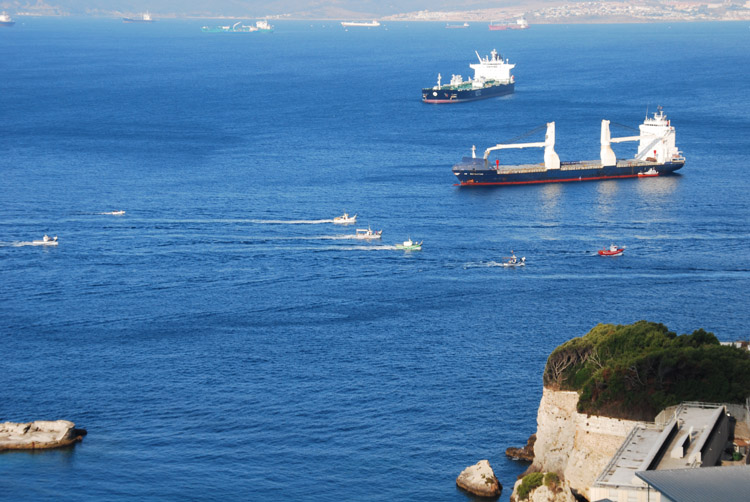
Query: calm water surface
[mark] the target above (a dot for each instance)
(219, 341)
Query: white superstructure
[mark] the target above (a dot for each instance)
(492, 67)
(656, 141)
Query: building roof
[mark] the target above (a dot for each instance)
(728, 484)
(649, 447)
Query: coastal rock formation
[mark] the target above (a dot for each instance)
(573, 445)
(38, 435)
(480, 479)
(526, 453)
(544, 494)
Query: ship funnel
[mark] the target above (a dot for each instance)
(607, 154)
(551, 160)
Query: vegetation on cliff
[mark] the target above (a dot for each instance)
(634, 371)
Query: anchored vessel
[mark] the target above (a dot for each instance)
(491, 78)
(6, 21)
(260, 27)
(657, 155)
(145, 18)
(371, 24)
(520, 24)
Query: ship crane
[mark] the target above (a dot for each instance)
(551, 160)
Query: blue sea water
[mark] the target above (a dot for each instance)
(220, 342)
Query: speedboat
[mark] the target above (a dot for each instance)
(45, 241)
(116, 213)
(612, 250)
(514, 262)
(648, 174)
(345, 219)
(409, 245)
(368, 233)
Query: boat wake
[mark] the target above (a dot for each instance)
(19, 244)
(291, 222)
(482, 264)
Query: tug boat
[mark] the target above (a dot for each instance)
(45, 241)
(345, 219)
(368, 233)
(409, 245)
(656, 155)
(491, 78)
(612, 250)
(513, 261)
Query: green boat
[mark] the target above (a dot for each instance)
(409, 245)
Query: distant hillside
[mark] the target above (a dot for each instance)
(634, 371)
(331, 9)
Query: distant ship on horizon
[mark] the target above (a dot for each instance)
(145, 18)
(370, 24)
(238, 27)
(6, 21)
(520, 24)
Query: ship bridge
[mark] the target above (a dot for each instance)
(492, 67)
(656, 141)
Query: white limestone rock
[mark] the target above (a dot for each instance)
(480, 480)
(573, 445)
(545, 494)
(38, 435)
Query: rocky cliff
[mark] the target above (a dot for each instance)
(573, 445)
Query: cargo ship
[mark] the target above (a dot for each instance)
(657, 155)
(491, 78)
(520, 24)
(6, 21)
(145, 18)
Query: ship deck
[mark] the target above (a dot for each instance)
(477, 164)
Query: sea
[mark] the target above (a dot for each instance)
(224, 340)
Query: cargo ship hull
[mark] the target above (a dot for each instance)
(447, 94)
(477, 172)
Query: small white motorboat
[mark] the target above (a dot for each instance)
(368, 233)
(513, 261)
(345, 219)
(409, 245)
(116, 213)
(45, 241)
(648, 174)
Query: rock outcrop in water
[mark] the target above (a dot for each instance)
(39, 435)
(480, 479)
(526, 453)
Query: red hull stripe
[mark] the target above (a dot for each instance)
(546, 181)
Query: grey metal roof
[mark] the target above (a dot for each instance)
(727, 484)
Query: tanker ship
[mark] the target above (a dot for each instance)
(491, 78)
(657, 155)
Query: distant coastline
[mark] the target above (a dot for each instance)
(598, 12)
